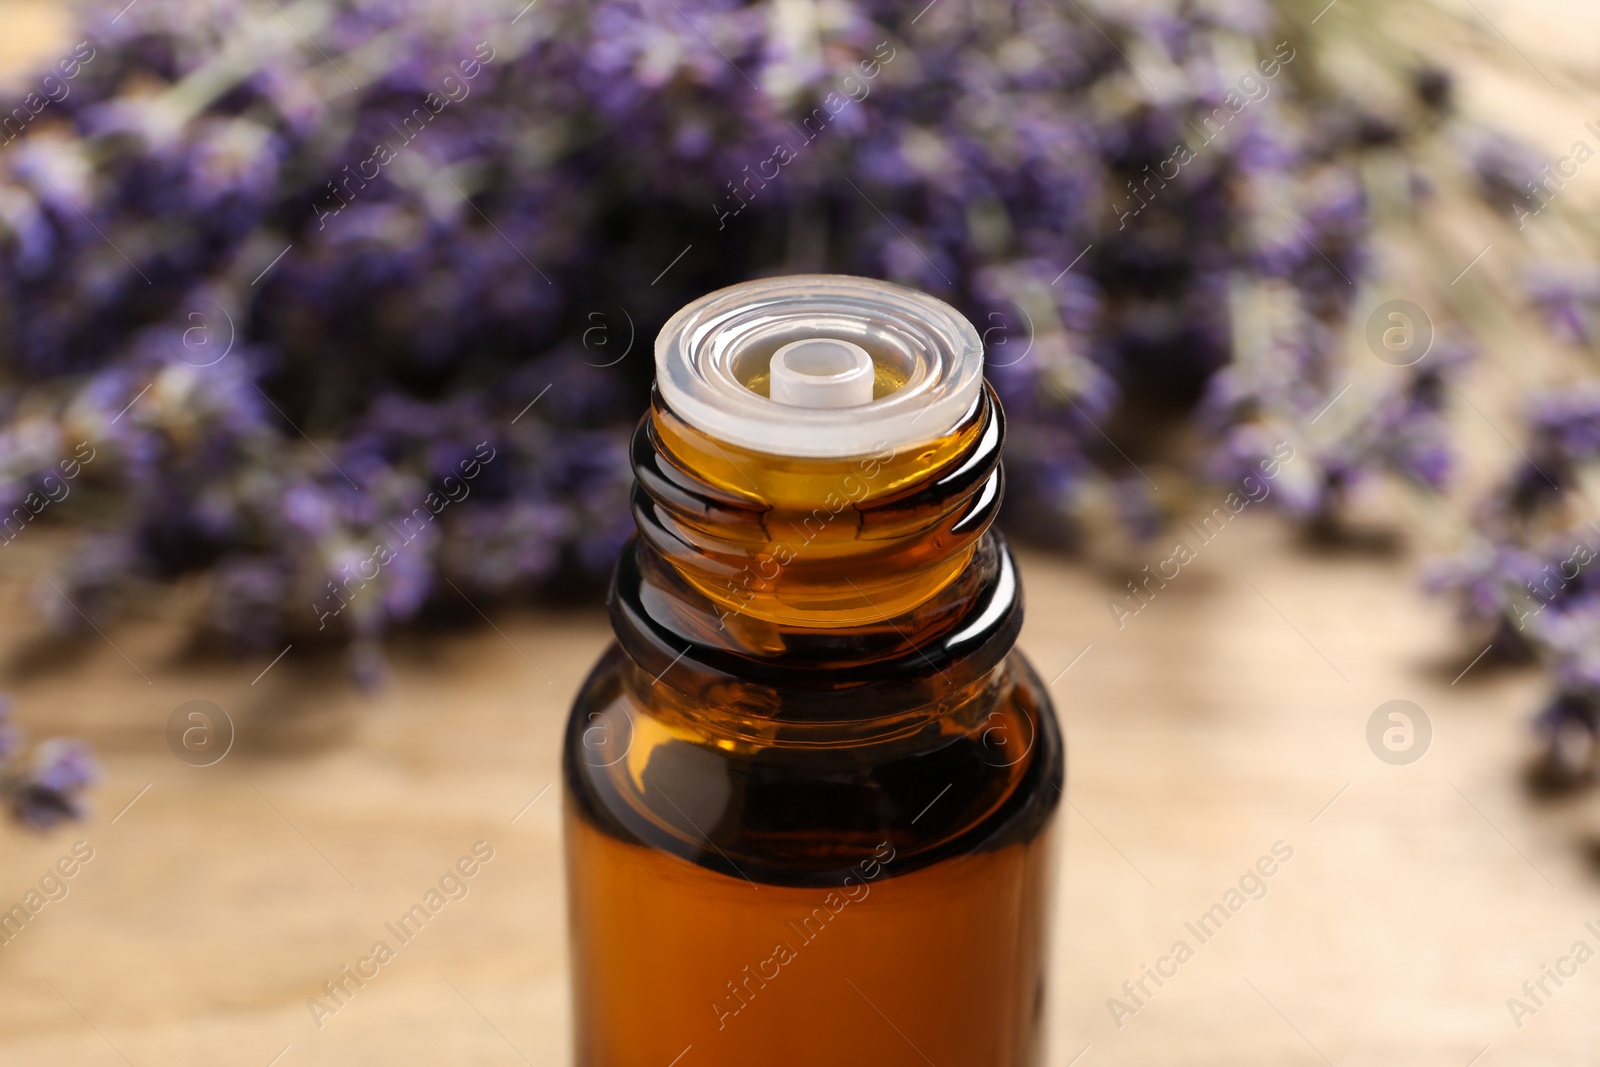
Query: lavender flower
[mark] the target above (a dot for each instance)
(47, 789)
(382, 252)
(1569, 297)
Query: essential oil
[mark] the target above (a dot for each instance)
(810, 788)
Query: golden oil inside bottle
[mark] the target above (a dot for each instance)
(809, 791)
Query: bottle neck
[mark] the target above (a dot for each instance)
(816, 543)
(809, 579)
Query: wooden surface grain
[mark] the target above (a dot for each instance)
(1228, 716)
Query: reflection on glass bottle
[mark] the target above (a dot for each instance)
(809, 791)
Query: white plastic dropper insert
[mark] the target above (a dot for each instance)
(821, 372)
(742, 365)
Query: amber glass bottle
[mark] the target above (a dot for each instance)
(809, 790)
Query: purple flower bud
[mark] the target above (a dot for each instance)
(50, 792)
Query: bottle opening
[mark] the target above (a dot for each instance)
(820, 365)
(821, 372)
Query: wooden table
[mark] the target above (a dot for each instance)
(1229, 715)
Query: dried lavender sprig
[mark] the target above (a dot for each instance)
(42, 790)
(502, 213)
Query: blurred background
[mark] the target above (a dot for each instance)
(323, 327)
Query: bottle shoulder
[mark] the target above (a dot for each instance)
(800, 803)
